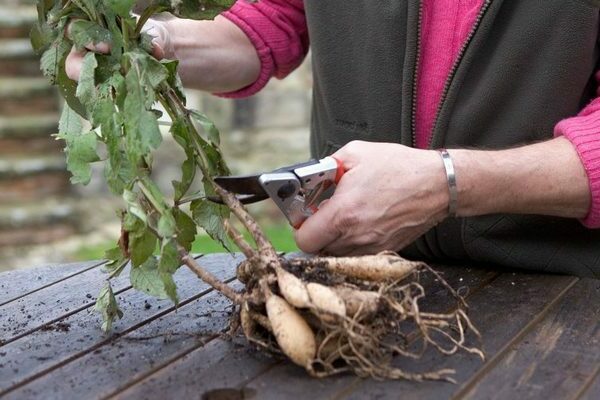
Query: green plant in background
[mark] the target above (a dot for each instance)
(280, 235)
(328, 315)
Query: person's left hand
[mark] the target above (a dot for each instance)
(389, 196)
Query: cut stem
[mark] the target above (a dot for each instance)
(209, 278)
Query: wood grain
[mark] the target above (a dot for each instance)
(557, 358)
(17, 284)
(82, 334)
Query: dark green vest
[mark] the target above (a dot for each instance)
(529, 64)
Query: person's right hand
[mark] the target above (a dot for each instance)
(161, 47)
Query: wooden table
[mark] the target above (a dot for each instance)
(541, 334)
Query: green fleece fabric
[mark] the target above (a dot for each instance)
(530, 63)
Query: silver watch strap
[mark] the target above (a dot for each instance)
(451, 177)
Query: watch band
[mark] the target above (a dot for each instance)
(451, 177)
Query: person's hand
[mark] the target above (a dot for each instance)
(161, 47)
(389, 196)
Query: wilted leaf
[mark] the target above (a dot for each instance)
(107, 306)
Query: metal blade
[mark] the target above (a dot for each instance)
(246, 188)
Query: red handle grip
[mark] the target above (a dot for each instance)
(340, 170)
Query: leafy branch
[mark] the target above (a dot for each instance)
(117, 93)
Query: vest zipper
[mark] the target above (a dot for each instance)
(461, 53)
(413, 117)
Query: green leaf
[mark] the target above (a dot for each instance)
(70, 122)
(174, 80)
(117, 261)
(166, 225)
(168, 264)
(142, 244)
(133, 207)
(180, 133)
(188, 172)
(141, 126)
(210, 217)
(186, 229)
(147, 278)
(209, 127)
(85, 33)
(68, 88)
(107, 306)
(52, 60)
(86, 89)
(151, 71)
(194, 9)
(41, 37)
(120, 7)
(80, 147)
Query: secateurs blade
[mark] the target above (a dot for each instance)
(296, 189)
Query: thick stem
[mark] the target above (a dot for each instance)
(209, 278)
(239, 241)
(247, 220)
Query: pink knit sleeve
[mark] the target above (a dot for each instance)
(584, 132)
(277, 29)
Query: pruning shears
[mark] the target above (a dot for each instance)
(296, 189)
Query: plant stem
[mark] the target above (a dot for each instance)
(209, 278)
(238, 239)
(247, 220)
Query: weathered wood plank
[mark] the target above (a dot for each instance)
(40, 308)
(593, 391)
(126, 358)
(234, 368)
(20, 283)
(503, 311)
(77, 335)
(210, 367)
(553, 361)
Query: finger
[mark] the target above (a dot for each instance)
(160, 38)
(348, 154)
(101, 47)
(318, 231)
(73, 63)
(157, 51)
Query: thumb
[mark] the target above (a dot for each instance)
(318, 231)
(161, 39)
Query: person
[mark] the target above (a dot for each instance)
(507, 88)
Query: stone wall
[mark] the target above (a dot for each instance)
(35, 194)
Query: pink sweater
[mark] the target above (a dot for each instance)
(277, 28)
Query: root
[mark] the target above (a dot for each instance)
(364, 313)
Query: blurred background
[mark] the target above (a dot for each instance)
(44, 219)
